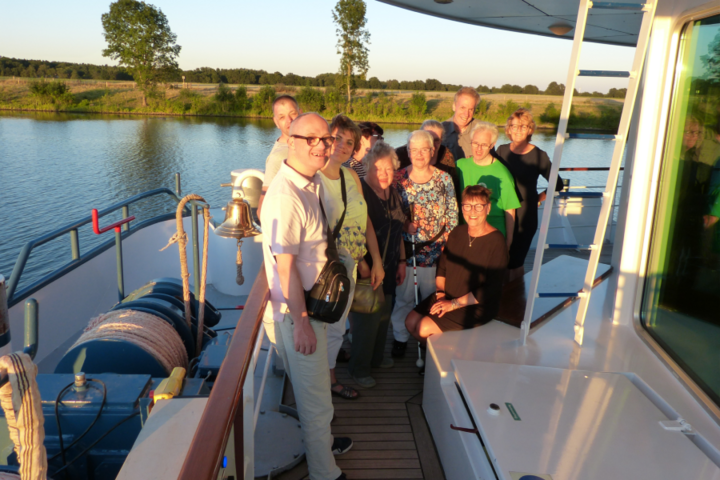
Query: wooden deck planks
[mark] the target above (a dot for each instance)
(403, 449)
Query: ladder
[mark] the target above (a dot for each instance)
(608, 195)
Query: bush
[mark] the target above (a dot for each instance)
(334, 101)
(418, 104)
(224, 97)
(550, 115)
(241, 98)
(311, 99)
(262, 101)
(50, 91)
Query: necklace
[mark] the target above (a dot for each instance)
(471, 239)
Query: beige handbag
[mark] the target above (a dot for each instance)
(365, 299)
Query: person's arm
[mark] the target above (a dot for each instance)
(439, 287)
(442, 306)
(451, 209)
(545, 166)
(262, 199)
(377, 273)
(509, 226)
(303, 335)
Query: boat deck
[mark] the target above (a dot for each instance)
(391, 437)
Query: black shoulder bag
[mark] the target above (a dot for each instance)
(327, 299)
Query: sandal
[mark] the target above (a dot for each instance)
(348, 393)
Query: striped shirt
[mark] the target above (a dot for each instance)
(357, 166)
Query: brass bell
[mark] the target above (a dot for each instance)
(238, 221)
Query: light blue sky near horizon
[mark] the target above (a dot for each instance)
(299, 37)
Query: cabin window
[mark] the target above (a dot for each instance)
(681, 301)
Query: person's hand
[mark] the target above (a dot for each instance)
(541, 198)
(363, 269)
(438, 295)
(304, 337)
(411, 228)
(441, 307)
(376, 275)
(401, 272)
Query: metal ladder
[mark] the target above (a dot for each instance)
(620, 138)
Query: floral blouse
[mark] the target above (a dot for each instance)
(434, 206)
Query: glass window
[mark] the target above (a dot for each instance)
(681, 303)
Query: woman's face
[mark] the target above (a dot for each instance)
(381, 174)
(475, 210)
(518, 130)
(481, 145)
(420, 153)
(343, 146)
(366, 143)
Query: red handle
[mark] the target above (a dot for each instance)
(463, 429)
(116, 225)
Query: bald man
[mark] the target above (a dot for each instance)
(294, 243)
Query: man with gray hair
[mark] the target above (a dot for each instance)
(294, 243)
(459, 126)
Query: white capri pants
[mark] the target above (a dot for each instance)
(405, 298)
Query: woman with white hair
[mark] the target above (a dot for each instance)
(385, 211)
(484, 169)
(428, 197)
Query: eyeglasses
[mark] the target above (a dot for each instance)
(417, 151)
(478, 207)
(695, 133)
(517, 127)
(482, 146)
(314, 141)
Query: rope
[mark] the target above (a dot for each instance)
(154, 335)
(180, 237)
(21, 402)
(239, 279)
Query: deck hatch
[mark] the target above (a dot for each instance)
(575, 424)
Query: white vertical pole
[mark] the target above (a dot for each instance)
(557, 156)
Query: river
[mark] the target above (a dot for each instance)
(54, 168)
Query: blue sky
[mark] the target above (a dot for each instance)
(299, 37)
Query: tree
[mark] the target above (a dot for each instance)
(353, 38)
(555, 89)
(139, 37)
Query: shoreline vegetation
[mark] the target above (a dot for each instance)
(255, 101)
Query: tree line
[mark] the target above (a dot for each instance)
(245, 76)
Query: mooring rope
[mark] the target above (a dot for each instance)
(180, 237)
(153, 334)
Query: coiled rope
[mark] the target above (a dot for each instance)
(180, 237)
(153, 334)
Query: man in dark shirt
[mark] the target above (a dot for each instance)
(458, 129)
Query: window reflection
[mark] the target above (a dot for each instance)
(681, 305)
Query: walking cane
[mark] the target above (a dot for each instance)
(420, 363)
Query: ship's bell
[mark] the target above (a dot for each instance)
(238, 221)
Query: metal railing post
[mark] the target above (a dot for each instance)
(31, 327)
(75, 244)
(125, 214)
(119, 258)
(196, 248)
(178, 190)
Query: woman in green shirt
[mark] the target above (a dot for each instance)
(484, 169)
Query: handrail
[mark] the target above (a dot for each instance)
(72, 228)
(223, 412)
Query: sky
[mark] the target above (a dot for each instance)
(299, 37)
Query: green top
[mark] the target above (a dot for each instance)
(497, 178)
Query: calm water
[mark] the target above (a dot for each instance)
(55, 168)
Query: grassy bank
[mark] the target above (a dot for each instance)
(381, 106)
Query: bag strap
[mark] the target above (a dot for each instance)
(332, 252)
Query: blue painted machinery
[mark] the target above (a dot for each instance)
(93, 419)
